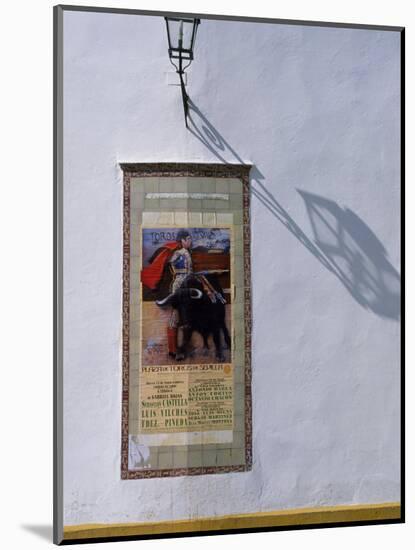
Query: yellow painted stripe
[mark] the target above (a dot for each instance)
(278, 518)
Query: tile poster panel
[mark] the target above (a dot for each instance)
(186, 321)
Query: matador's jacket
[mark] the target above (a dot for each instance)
(181, 267)
(179, 260)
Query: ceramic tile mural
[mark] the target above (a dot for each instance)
(186, 320)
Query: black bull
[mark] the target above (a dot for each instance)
(197, 312)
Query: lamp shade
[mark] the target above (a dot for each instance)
(181, 34)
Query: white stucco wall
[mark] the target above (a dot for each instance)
(316, 110)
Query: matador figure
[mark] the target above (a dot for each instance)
(181, 266)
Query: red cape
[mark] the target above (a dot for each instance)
(151, 275)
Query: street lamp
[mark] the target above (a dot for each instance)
(181, 34)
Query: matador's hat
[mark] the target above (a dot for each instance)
(182, 234)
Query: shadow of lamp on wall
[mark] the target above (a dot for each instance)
(181, 35)
(355, 254)
(342, 242)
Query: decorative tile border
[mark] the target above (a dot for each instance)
(140, 170)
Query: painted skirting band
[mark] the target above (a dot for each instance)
(258, 520)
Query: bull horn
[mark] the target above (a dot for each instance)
(164, 301)
(199, 294)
